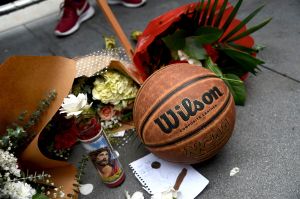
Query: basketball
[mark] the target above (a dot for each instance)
(184, 113)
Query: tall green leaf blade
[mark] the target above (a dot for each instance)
(243, 22)
(204, 16)
(246, 61)
(212, 14)
(197, 13)
(207, 35)
(221, 13)
(194, 49)
(237, 88)
(232, 15)
(242, 48)
(213, 67)
(175, 41)
(250, 30)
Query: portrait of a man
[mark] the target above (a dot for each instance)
(102, 159)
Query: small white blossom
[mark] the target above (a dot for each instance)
(234, 171)
(8, 162)
(61, 194)
(73, 105)
(184, 57)
(171, 193)
(18, 190)
(136, 195)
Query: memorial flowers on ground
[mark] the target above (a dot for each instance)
(104, 99)
(14, 182)
(208, 34)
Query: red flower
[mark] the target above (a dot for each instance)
(177, 61)
(66, 139)
(211, 52)
(164, 24)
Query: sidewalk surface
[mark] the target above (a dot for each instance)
(266, 140)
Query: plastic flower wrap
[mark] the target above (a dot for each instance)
(101, 96)
(205, 33)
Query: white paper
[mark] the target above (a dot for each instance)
(158, 180)
(119, 134)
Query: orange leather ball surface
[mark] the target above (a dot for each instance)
(184, 113)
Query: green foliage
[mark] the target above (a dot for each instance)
(208, 35)
(176, 40)
(246, 61)
(232, 15)
(243, 23)
(194, 49)
(39, 196)
(205, 28)
(17, 136)
(234, 83)
(82, 164)
(237, 88)
(250, 30)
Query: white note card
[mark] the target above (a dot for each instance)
(160, 179)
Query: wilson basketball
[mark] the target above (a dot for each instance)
(184, 113)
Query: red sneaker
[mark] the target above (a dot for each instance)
(128, 3)
(74, 13)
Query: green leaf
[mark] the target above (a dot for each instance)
(250, 30)
(194, 49)
(213, 67)
(212, 13)
(243, 48)
(221, 13)
(197, 14)
(243, 22)
(204, 16)
(246, 61)
(208, 35)
(232, 15)
(175, 41)
(39, 196)
(237, 88)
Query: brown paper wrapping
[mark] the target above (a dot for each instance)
(25, 81)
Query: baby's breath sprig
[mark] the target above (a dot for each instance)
(17, 136)
(42, 107)
(81, 166)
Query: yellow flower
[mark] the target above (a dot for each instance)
(113, 88)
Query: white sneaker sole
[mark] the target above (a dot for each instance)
(85, 16)
(128, 5)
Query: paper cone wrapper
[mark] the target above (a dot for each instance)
(25, 81)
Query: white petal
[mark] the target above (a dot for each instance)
(137, 195)
(234, 171)
(86, 189)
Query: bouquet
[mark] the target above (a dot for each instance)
(205, 34)
(99, 100)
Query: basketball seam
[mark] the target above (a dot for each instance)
(170, 94)
(149, 78)
(196, 130)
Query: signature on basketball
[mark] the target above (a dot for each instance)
(209, 143)
(186, 109)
